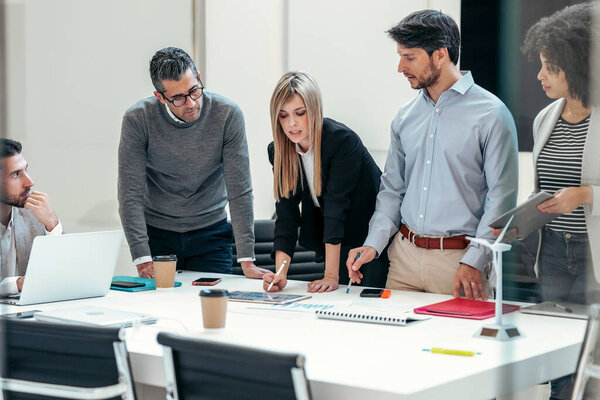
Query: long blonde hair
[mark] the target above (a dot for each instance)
(286, 165)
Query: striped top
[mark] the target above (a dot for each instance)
(559, 166)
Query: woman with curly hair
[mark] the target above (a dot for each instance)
(566, 156)
(322, 165)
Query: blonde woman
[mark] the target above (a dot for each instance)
(323, 165)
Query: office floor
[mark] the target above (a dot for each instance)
(539, 392)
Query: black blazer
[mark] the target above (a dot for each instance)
(350, 183)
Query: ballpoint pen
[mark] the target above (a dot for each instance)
(566, 309)
(277, 273)
(350, 279)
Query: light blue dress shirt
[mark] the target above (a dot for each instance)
(451, 168)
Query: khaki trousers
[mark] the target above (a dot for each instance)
(416, 269)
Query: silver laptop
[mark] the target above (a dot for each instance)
(95, 316)
(70, 266)
(566, 310)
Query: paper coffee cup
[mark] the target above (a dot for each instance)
(164, 271)
(214, 307)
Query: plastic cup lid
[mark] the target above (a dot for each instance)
(170, 257)
(214, 293)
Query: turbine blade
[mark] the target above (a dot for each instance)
(480, 241)
(501, 236)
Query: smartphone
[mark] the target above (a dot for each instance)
(124, 284)
(371, 293)
(20, 315)
(206, 281)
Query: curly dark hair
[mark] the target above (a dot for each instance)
(429, 30)
(564, 39)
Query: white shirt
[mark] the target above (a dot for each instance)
(8, 265)
(308, 164)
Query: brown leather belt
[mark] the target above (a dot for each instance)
(424, 242)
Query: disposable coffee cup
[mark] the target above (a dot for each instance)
(164, 271)
(214, 308)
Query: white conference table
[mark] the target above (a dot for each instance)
(351, 360)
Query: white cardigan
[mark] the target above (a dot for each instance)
(590, 170)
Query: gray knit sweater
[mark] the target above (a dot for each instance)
(179, 177)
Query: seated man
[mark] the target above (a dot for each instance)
(24, 215)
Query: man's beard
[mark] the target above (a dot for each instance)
(431, 79)
(15, 201)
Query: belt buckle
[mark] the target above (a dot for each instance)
(420, 237)
(413, 237)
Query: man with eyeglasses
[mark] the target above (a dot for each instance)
(183, 156)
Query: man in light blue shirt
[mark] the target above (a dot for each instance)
(451, 168)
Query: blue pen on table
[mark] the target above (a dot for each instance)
(350, 279)
(277, 273)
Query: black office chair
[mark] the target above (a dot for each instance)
(43, 360)
(201, 369)
(589, 359)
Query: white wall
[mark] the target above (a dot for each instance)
(244, 59)
(74, 68)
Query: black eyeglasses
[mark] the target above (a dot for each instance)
(195, 93)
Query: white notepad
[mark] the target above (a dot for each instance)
(371, 316)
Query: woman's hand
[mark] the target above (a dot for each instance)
(566, 200)
(279, 282)
(326, 284)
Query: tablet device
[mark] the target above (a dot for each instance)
(527, 217)
(565, 310)
(94, 316)
(268, 298)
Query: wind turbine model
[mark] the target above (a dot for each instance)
(498, 330)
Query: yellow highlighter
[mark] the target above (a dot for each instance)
(439, 350)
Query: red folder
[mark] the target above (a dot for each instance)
(464, 308)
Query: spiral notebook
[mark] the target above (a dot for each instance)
(370, 316)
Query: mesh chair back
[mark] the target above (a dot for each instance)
(209, 370)
(60, 354)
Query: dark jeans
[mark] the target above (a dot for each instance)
(206, 250)
(566, 271)
(566, 275)
(374, 273)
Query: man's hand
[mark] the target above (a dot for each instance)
(327, 284)
(146, 270)
(252, 271)
(470, 280)
(566, 200)
(367, 254)
(279, 281)
(20, 282)
(510, 236)
(38, 203)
